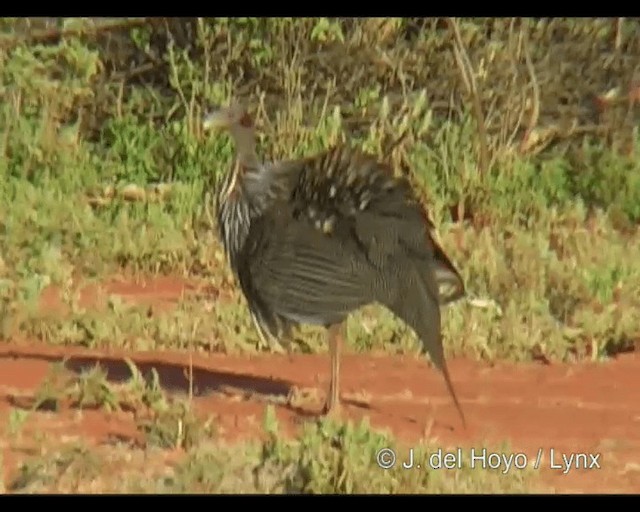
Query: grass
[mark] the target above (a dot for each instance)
(105, 171)
(327, 458)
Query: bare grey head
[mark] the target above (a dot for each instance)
(225, 118)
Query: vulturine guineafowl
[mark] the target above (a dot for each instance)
(311, 240)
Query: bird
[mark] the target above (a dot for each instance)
(311, 240)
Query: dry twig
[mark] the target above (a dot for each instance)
(52, 34)
(468, 77)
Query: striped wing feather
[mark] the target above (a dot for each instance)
(340, 236)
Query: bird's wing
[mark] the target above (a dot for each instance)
(304, 273)
(333, 239)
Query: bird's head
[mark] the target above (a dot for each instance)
(225, 118)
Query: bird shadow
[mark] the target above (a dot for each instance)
(172, 377)
(181, 379)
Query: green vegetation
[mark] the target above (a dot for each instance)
(523, 135)
(328, 458)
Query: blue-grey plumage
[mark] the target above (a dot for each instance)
(314, 239)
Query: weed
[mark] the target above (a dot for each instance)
(75, 463)
(175, 426)
(17, 419)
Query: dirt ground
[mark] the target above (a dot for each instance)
(590, 408)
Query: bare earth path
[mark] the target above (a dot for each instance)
(589, 408)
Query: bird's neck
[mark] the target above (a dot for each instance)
(245, 142)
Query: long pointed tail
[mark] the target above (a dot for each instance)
(420, 309)
(452, 392)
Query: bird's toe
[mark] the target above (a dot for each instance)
(332, 410)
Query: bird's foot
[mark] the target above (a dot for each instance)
(332, 410)
(277, 348)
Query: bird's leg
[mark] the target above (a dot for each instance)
(332, 407)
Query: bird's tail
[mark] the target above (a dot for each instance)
(452, 392)
(421, 311)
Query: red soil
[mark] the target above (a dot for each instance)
(588, 408)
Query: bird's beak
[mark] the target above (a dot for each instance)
(215, 120)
